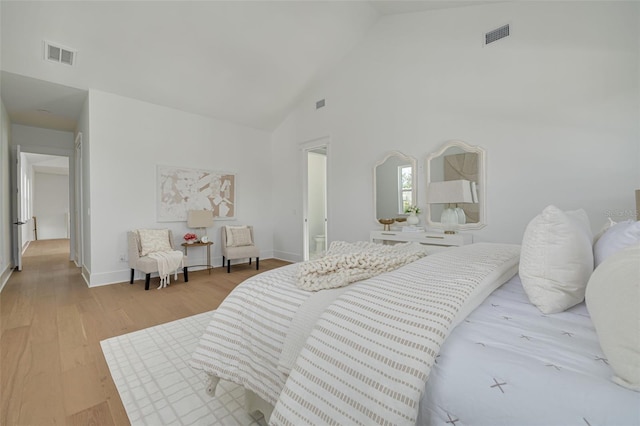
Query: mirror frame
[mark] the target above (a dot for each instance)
(414, 181)
(481, 184)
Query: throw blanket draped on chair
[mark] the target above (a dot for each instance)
(168, 261)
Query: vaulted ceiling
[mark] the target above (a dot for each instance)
(246, 62)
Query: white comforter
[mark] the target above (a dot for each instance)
(509, 364)
(380, 336)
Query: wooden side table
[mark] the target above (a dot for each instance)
(200, 244)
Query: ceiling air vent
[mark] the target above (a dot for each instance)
(496, 34)
(60, 54)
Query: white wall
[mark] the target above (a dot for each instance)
(555, 105)
(51, 205)
(129, 138)
(41, 141)
(6, 261)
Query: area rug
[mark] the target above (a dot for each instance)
(158, 387)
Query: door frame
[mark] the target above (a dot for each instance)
(16, 207)
(305, 148)
(69, 153)
(77, 255)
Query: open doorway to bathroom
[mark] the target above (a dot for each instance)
(315, 198)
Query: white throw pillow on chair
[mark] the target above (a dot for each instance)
(153, 240)
(240, 236)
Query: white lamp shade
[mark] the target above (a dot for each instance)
(199, 218)
(450, 191)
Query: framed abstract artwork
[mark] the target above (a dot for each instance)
(181, 189)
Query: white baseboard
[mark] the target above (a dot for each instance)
(6, 274)
(289, 257)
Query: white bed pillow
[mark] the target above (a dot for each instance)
(556, 260)
(608, 224)
(614, 239)
(612, 299)
(153, 240)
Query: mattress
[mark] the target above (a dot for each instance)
(509, 364)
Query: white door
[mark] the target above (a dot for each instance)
(18, 222)
(315, 177)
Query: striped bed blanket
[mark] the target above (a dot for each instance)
(369, 354)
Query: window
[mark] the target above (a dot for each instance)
(405, 183)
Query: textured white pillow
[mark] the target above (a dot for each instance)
(153, 240)
(231, 242)
(617, 237)
(612, 298)
(241, 237)
(556, 260)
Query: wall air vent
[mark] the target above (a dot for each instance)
(496, 34)
(56, 53)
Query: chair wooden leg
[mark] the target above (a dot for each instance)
(147, 278)
(131, 281)
(228, 266)
(257, 263)
(249, 261)
(185, 271)
(223, 261)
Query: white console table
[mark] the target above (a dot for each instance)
(427, 238)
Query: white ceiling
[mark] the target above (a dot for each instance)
(246, 62)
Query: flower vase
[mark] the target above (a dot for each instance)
(412, 219)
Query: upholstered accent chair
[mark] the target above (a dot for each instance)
(238, 243)
(140, 248)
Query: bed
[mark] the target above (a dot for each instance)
(371, 353)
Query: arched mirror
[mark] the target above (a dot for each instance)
(456, 179)
(394, 185)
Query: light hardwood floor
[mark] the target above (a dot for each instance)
(52, 370)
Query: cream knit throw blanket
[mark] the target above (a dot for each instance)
(168, 262)
(345, 263)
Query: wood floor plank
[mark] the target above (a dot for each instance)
(44, 404)
(16, 357)
(98, 415)
(52, 368)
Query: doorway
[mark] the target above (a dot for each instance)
(315, 166)
(42, 201)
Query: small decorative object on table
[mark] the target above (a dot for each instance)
(412, 219)
(190, 238)
(387, 223)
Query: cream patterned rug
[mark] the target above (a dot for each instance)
(157, 386)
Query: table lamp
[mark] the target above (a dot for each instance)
(201, 219)
(451, 192)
